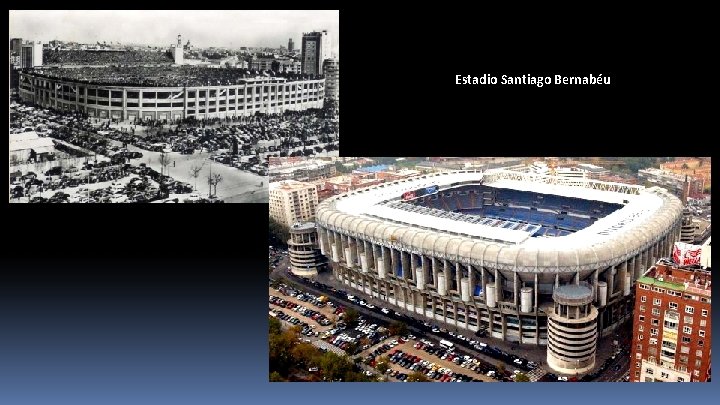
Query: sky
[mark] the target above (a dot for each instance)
(204, 28)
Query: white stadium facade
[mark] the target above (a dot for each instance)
(529, 258)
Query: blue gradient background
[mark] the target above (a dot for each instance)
(121, 337)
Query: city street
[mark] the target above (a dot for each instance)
(236, 186)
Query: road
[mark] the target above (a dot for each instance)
(617, 369)
(237, 186)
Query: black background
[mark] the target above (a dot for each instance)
(98, 284)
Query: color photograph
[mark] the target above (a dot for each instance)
(490, 269)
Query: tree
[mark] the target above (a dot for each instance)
(217, 178)
(281, 346)
(276, 377)
(164, 162)
(305, 354)
(521, 377)
(398, 328)
(278, 232)
(417, 377)
(382, 364)
(275, 326)
(195, 173)
(334, 367)
(351, 316)
(364, 341)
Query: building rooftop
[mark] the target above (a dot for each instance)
(687, 279)
(290, 185)
(574, 291)
(30, 140)
(573, 294)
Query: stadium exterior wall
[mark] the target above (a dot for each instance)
(394, 251)
(269, 95)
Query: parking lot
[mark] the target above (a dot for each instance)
(485, 354)
(406, 359)
(368, 339)
(299, 306)
(236, 185)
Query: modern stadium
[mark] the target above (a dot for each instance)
(537, 259)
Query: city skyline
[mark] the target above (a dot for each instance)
(260, 28)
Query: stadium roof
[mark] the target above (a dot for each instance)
(646, 216)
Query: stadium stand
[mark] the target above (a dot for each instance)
(552, 215)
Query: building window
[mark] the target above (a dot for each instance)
(696, 373)
(671, 325)
(701, 333)
(642, 318)
(673, 305)
(653, 341)
(642, 308)
(640, 328)
(680, 379)
(704, 312)
(664, 374)
(656, 311)
(656, 301)
(687, 329)
(703, 322)
(637, 374)
(685, 349)
(637, 364)
(653, 332)
(683, 359)
(640, 337)
(643, 298)
(656, 322)
(689, 309)
(698, 353)
(639, 346)
(649, 371)
(688, 320)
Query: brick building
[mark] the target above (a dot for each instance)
(672, 325)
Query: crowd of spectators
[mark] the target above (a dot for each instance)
(160, 76)
(84, 57)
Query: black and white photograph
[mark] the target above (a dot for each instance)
(163, 106)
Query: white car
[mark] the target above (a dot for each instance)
(385, 311)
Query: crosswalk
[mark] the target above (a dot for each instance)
(536, 374)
